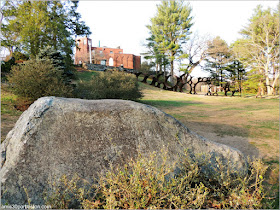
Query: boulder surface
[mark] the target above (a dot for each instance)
(62, 136)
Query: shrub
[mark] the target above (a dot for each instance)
(150, 183)
(37, 78)
(109, 85)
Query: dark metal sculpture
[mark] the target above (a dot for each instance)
(161, 81)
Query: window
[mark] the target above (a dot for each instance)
(100, 51)
(103, 62)
(120, 52)
(85, 41)
(111, 52)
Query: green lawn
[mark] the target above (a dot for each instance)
(85, 75)
(9, 114)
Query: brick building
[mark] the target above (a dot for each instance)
(85, 53)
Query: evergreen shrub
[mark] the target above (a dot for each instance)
(59, 62)
(36, 78)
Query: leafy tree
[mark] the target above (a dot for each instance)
(217, 58)
(254, 83)
(77, 26)
(27, 20)
(32, 25)
(65, 23)
(171, 28)
(259, 47)
(9, 36)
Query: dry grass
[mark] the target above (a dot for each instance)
(255, 121)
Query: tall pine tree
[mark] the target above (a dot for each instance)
(217, 59)
(153, 53)
(171, 28)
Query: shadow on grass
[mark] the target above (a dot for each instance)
(233, 136)
(169, 103)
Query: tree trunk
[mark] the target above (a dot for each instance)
(266, 68)
(274, 83)
(172, 71)
(268, 87)
(263, 91)
(259, 92)
(157, 68)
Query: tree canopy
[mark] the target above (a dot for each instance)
(153, 53)
(259, 47)
(32, 25)
(170, 29)
(217, 59)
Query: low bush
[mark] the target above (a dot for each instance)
(37, 78)
(109, 85)
(148, 183)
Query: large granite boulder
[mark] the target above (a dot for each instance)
(58, 136)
